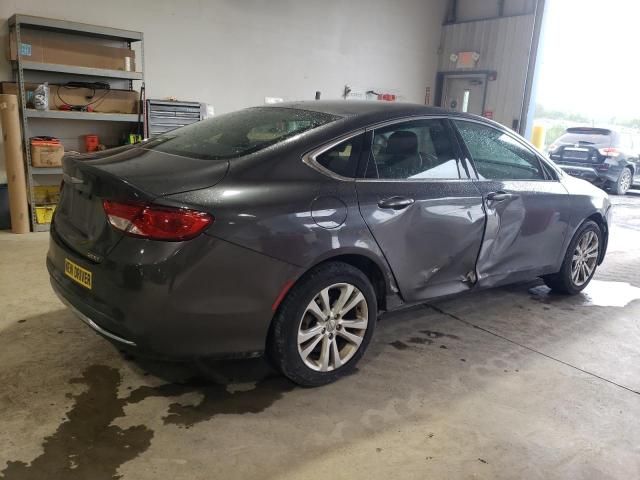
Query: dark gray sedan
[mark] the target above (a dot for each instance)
(286, 230)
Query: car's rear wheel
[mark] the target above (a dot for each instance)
(324, 325)
(622, 186)
(580, 261)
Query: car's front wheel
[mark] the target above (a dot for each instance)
(324, 325)
(580, 261)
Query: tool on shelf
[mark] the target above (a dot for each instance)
(91, 143)
(104, 87)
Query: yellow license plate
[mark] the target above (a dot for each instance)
(78, 274)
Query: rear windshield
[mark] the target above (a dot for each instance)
(587, 138)
(239, 133)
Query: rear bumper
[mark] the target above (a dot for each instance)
(597, 177)
(205, 297)
(64, 298)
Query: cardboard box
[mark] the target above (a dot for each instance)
(47, 47)
(46, 154)
(109, 101)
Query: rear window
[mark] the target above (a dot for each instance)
(239, 133)
(587, 137)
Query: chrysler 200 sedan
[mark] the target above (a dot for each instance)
(286, 229)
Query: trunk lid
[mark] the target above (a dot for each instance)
(125, 174)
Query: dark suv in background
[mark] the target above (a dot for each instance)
(607, 158)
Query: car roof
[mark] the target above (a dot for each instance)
(368, 111)
(349, 108)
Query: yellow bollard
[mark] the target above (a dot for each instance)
(538, 136)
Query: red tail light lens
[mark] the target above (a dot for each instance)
(609, 152)
(155, 222)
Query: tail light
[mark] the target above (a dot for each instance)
(609, 152)
(156, 222)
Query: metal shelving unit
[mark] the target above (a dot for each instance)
(95, 116)
(72, 69)
(46, 171)
(23, 67)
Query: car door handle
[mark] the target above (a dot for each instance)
(499, 196)
(396, 203)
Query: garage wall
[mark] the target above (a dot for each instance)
(469, 10)
(232, 54)
(503, 45)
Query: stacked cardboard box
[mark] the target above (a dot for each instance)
(47, 47)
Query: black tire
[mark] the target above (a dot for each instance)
(623, 184)
(282, 344)
(562, 282)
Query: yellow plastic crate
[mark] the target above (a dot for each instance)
(44, 213)
(46, 194)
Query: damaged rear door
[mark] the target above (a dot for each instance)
(423, 209)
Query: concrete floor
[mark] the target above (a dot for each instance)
(508, 383)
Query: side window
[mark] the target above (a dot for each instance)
(499, 156)
(420, 149)
(342, 159)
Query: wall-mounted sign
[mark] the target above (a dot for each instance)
(465, 59)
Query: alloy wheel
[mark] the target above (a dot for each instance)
(625, 180)
(585, 258)
(332, 327)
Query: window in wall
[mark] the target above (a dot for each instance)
(465, 101)
(626, 142)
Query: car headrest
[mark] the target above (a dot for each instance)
(402, 143)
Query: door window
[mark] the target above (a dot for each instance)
(497, 155)
(342, 159)
(421, 149)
